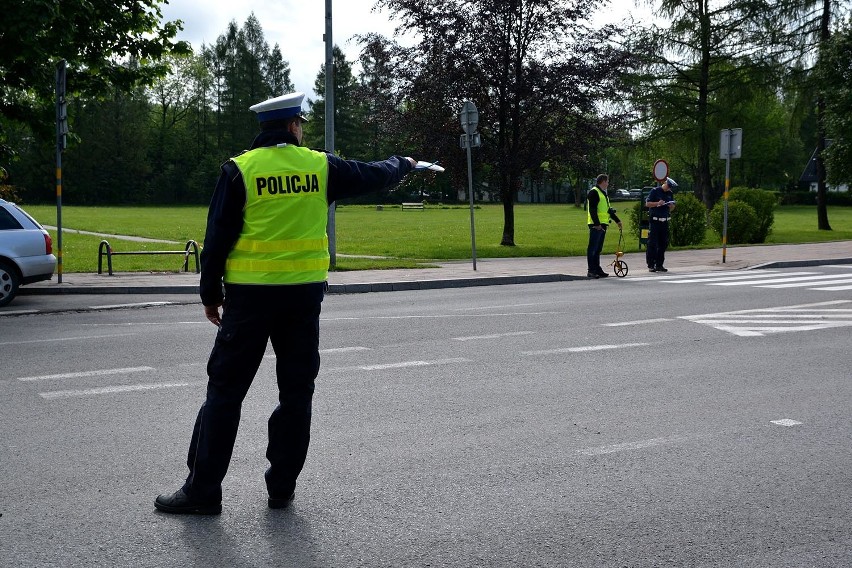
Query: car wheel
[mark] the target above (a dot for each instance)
(8, 283)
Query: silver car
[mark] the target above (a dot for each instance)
(26, 251)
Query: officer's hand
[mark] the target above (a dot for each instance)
(619, 225)
(212, 314)
(412, 161)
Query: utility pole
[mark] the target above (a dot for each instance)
(329, 126)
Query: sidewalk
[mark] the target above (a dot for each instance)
(456, 274)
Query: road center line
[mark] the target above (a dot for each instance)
(114, 389)
(67, 339)
(493, 335)
(99, 373)
(637, 322)
(613, 448)
(344, 349)
(136, 305)
(583, 349)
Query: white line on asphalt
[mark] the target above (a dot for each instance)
(583, 349)
(678, 276)
(412, 364)
(736, 278)
(629, 446)
(99, 373)
(438, 316)
(136, 305)
(503, 306)
(344, 349)
(493, 336)
(114, 389)
(785, 422)
(637, 322)
(762, 311)
(764, 281)
(846, 280)
(67, 339)
(834, 288)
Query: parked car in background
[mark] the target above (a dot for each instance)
(635, 193)
(26, 251)
(621, 194)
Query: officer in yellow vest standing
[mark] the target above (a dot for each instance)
(265, 263)
(599, 214)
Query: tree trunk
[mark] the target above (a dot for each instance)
(508, 219)
(703, 178)
(822, 206)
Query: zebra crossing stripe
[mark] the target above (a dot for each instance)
(806, 280)
(753, 323)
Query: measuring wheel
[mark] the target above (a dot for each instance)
(620, 268)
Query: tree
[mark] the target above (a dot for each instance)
(96, 37)
(808, 32)
(834, 74)
(533, 70)
(709, 48)
(348, 109)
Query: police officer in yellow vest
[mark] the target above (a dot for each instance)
(265, 263)
(598, 218)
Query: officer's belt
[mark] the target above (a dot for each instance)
(663, 219)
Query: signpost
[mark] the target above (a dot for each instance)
(469, 118)
(730, 146)
(61, 132)
(661, 170)
(329, 128)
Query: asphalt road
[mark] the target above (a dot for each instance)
(637, 422)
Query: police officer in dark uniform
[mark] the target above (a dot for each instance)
(266, 242)
(660, 203)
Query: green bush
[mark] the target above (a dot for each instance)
(689, 221)
(634, 216)
(742, 221)
(763, 202)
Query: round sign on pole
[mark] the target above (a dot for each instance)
(661, 170)
(469, 117)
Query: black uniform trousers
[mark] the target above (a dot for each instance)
(658, 242)
(252, 316)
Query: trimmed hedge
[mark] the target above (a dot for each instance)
(689, 221)
(742, 221)
(763, 202)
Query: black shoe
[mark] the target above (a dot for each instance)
(651, 269)
(281, 503)
(179, 503)
(661, 269)
(602, 274)
(593, 275)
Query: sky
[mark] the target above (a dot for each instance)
(298, 26)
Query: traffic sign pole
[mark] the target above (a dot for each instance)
(469, 118)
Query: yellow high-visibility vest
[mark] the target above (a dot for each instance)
(283, 240)
(603, 208)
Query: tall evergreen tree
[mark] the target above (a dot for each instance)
(348, 110)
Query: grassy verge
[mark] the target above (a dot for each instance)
(409, 238)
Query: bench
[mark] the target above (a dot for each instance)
(412, 206)
(104, 250)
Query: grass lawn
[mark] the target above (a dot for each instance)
(409, 238)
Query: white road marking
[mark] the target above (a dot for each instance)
(738, 277)
(669, 277)
(583, 349)
(344, 349)
(18, 312)
(764, 281)
(637, 322)
(785, 422)
(784, 319)
(99, 373)
(405, 364)
(834, 288)
(136, 305)
(629, 446)
(440, 316)
(67, 339)
(503, 306)
(493, 335)
(115, 389)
